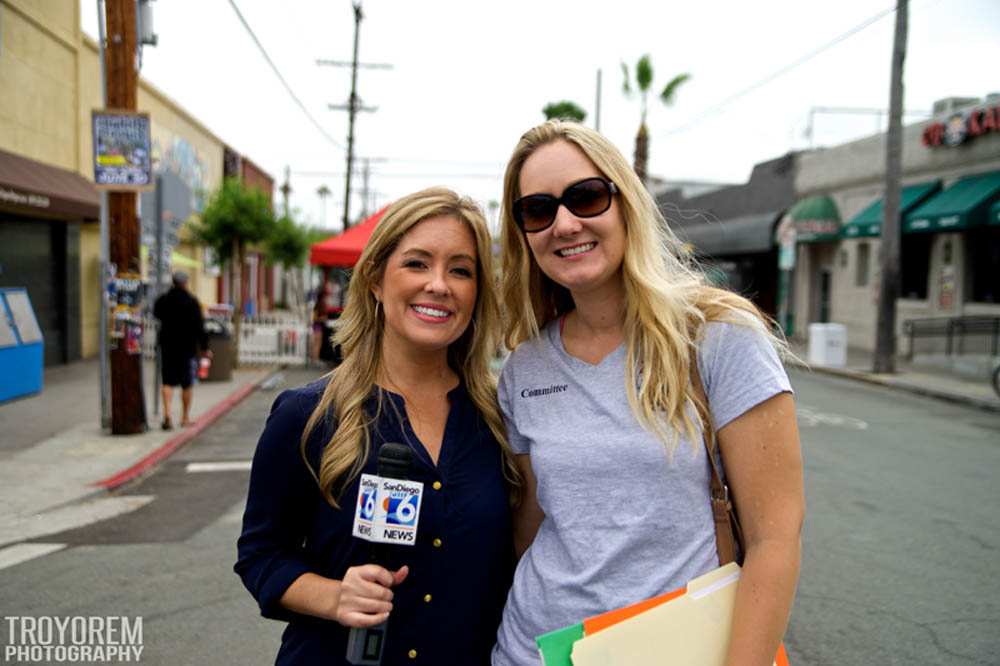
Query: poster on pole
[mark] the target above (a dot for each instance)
(122, 155)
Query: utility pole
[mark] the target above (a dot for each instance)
(128, 409)
(352, 107)
(885, 340)
(365, 193)
(286, 189)
(597, 103)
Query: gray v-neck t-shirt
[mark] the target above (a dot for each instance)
(623, 521)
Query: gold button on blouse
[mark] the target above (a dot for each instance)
(437, 485)
(427, 598)
(437, 543)
(412, 654)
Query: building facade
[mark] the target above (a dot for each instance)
(950, 242)
(49, 209)
(731, 229)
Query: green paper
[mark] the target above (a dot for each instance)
(557, 646)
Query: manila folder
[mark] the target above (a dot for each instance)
(692, 629)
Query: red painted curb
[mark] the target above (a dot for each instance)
(169, 447)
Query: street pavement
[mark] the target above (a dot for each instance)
(56, 463)
(902, 530)
(899, 545)
(169, 560)
(910, 377)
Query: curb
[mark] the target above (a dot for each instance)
(898, 385)
(172, 445)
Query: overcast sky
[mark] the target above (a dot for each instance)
(470, 77)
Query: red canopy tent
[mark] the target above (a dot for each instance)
(344, 250)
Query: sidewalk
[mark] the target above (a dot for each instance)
(54, 454)
(940, 385)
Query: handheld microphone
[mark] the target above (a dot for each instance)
(365, 645)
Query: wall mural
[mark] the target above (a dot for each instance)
(176, 155)
(183, 178)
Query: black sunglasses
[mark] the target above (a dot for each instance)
(585, 198)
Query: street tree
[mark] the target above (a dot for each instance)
(288, 247)
(564, 110)
(235, 218)
(644, 81)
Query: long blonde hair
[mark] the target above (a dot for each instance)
(360, 333)
(667, 298)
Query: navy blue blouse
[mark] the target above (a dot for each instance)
(448, 608)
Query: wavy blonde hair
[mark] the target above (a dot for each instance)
(667, 297)
(360, 333)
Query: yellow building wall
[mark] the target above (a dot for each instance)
(50, 76)
(38, 74)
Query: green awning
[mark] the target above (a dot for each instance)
(816, 220)
(964, 204)
(995, 214)
(868, 223)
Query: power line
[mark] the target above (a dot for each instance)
(712, 110)
(281, 78)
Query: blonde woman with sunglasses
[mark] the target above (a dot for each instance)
(607, 320)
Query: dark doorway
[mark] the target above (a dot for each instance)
(823, 315)
(36, 254)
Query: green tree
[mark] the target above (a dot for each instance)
(564, 110)
(288, 247)
(235, 218)
(644, 81)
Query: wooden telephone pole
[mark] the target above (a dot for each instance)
(128, 409)
(885, 332)
(353, 105)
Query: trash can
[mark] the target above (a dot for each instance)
(828, 345)
(220, 343)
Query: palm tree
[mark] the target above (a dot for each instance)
(323, 192)
(644, 81)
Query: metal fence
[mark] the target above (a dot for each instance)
(953, 335)
(264, 340)
(270, 341)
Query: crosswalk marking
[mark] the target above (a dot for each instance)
(22, 552)
(224, 466)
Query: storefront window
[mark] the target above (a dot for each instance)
(983, 258)
(915, 260)
(863, 260)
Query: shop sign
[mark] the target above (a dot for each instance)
(121, 141)
(786, 238)
(962, 127)
(806, 230)
(11, 196)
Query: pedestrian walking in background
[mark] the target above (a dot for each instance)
(181, 337)
(418, 332)
(614, 334)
